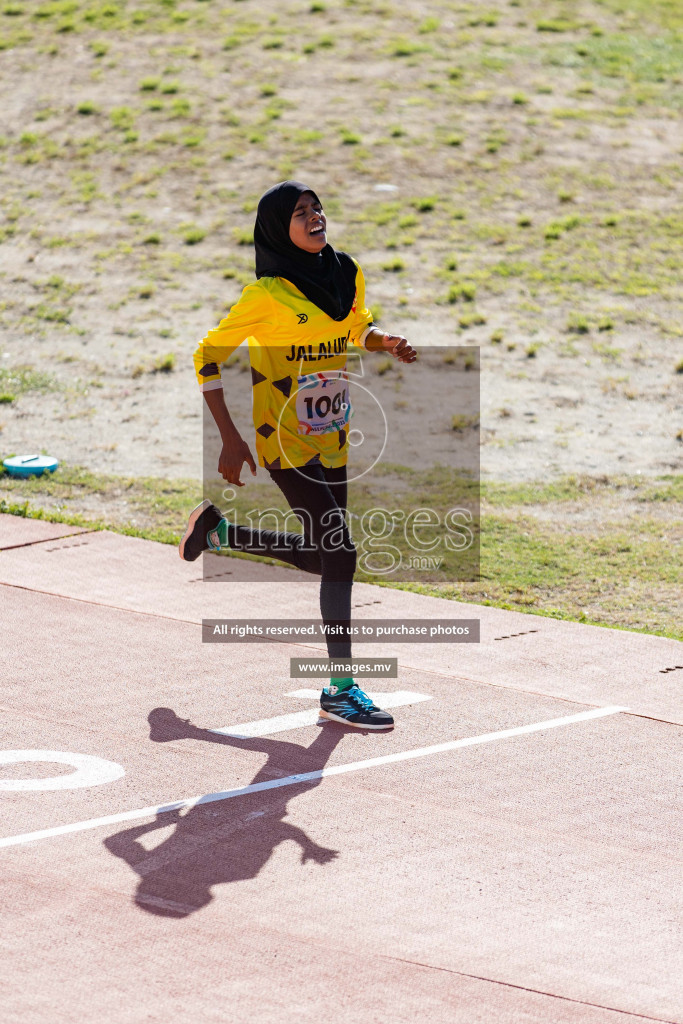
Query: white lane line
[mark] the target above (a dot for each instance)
(281, 723)
(295, 780)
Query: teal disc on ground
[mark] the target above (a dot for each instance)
(30, 465)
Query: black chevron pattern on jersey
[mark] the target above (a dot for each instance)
(342, 438)
(284, 385)
(256, 377)
(275, 464)
(265, 430)
(209, 370)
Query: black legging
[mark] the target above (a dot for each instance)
(317, 496)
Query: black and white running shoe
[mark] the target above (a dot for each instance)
(203, 520)
(353, 707)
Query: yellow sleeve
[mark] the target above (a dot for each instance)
(250, 316)
(362, 316)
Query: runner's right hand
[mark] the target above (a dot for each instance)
(234, 454)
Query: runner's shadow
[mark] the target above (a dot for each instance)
(226, 840)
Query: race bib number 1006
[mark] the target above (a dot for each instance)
(323, 403)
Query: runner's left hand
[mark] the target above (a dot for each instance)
(399, 348)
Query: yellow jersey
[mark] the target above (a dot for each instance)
(301, 400)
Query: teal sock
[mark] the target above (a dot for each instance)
(338, 685)
(218, 538)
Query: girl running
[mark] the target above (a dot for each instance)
(306, 306)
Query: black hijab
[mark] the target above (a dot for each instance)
(327, 279)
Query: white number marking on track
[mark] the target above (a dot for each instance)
(90, 771)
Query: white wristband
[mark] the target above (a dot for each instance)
(361, 340)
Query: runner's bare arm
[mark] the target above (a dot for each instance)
(396, 344)
(235, 451)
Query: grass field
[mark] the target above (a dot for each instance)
(520, 128)
(592, 550)
(509, 175)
